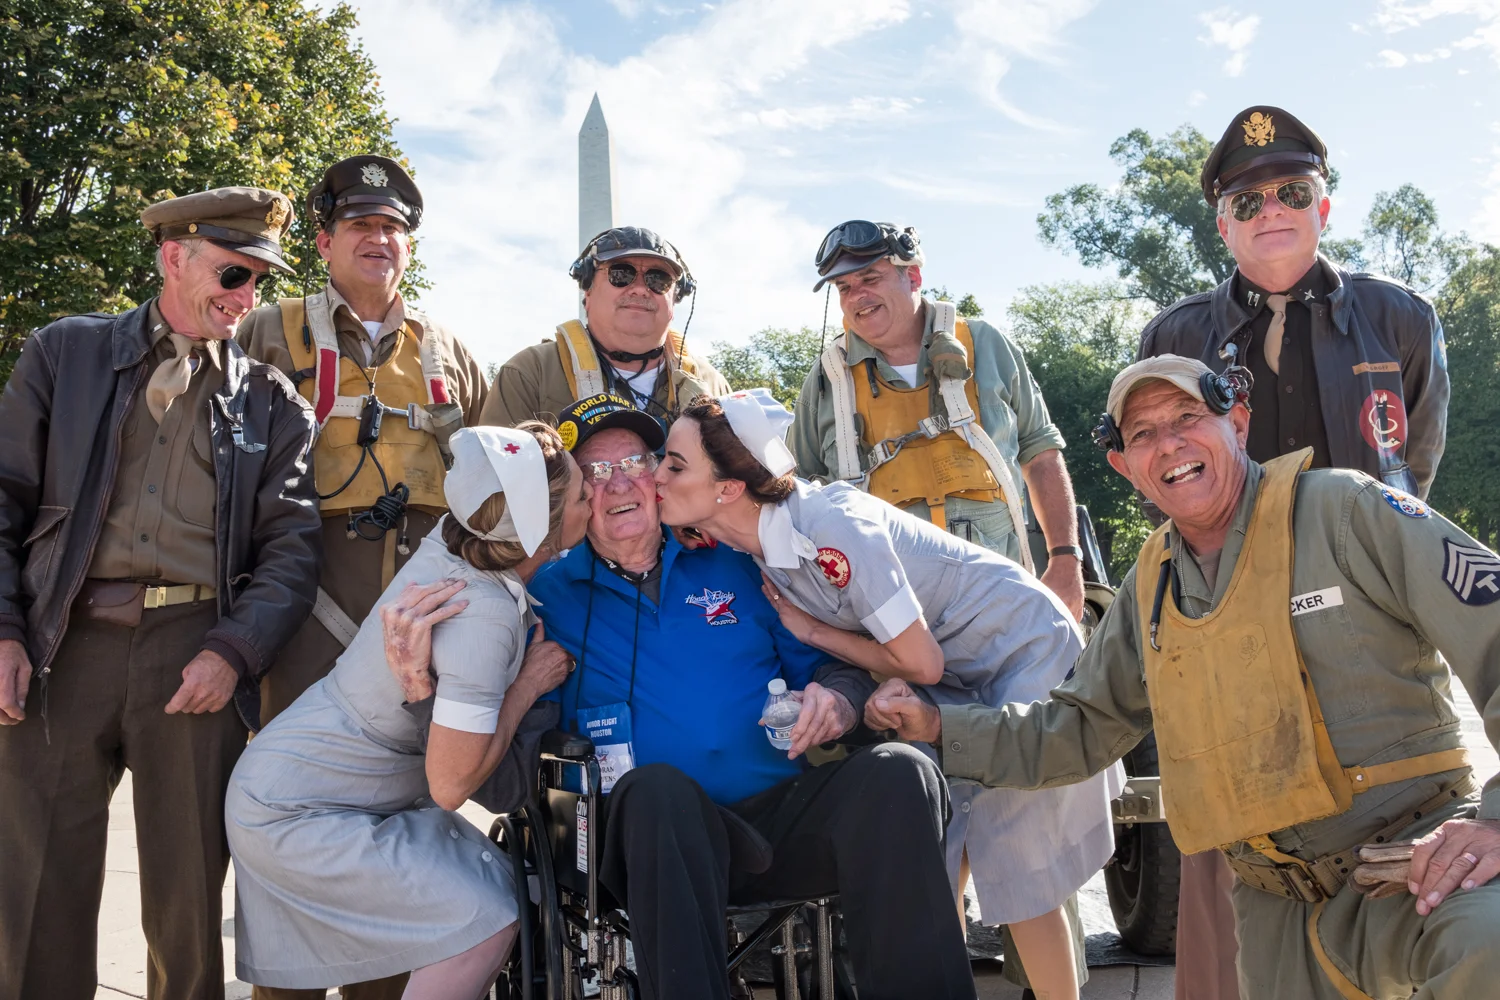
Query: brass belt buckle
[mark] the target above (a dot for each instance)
(1301, 885)
(156, 597)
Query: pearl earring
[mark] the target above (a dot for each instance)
(718, 499)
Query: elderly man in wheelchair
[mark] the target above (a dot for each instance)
(663, 806)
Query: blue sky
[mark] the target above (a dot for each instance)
(743, 129)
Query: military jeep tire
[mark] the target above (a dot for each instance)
(1145, 872)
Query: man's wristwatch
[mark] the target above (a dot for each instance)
(1066, 550)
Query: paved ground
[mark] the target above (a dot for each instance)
(122, 949)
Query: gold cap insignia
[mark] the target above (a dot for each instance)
(569, 434)
(1259, 129)
(276, 215)
(374, 175)
(192, 227)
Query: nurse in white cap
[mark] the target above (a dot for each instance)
(348, 862)
(887, 591)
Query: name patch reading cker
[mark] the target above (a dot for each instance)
(610, 728)
(1317, 600)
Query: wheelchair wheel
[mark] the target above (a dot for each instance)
(808, 984)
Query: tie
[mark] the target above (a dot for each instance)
(171, 377)
(1275, 331)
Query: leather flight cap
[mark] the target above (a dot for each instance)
(635, 241)
(1261, 144)
(247, 220)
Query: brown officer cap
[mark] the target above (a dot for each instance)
(366, 185)
(1261, 142)
(247, 220)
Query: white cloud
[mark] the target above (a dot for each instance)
(1230, 30)
(713, 134)
(1196, 99)
(1391, 59)
(1400, 15)
(1486, 222)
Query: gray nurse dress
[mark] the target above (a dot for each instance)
(345, 870)
(860, 564)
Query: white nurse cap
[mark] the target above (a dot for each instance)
(490, 460)
(760, 422)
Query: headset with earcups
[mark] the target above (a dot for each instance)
(583, 269)
(1220, 393)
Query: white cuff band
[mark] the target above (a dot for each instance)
(464, 718)
(894, 616)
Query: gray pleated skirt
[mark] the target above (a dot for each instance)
(344, 870)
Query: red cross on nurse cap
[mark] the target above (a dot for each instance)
(760, 422)
(490, 460)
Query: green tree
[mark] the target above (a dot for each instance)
(109, 105)
(777, 359)
(968, 306)
(1077, 336)
(1467, 488)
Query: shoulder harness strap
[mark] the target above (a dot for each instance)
(580, 363)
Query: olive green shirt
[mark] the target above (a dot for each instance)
(262, 337)
(1011, 410)
(159, 527)
(533, 386)
(1381, 629)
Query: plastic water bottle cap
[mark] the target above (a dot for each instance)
(777, 686)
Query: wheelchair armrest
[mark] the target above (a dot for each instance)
(569, 746)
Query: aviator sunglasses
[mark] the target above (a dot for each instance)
(1299, 196)
(657, 280)
(235, 275)
(634, 466)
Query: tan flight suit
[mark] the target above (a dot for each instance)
(1389, 602)
(536, 385)
(110, 684)
(355, 571)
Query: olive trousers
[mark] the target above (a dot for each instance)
(108, 688)
(1383, 947)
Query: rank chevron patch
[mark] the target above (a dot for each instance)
(1472, 572)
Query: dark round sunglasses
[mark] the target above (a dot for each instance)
(235, 275)
(855, 237)
(1299, 196)
(657, 280)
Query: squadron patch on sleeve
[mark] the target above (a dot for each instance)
(835, 566)
(1472, 572)
(1405, 503)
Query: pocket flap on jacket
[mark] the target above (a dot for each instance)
(47, 518)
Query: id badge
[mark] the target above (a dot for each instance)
(610, 728)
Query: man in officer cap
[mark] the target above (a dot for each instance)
(632, 281)
(1350, 365)
(906, 366)
(388, 386)
(158, 546)
(1291, 635)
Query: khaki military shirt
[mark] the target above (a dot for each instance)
(160, 524)
(1389, 602)
(1011, 409)
(533, 386)
(262, 337)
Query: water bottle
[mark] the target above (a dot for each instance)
(780, 715)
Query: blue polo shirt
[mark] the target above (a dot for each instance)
(703, 659)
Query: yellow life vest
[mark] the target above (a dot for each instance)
(1243, 746)
(925, 469)
(410, 377)
(585, 374)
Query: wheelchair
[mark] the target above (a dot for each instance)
(573, 941)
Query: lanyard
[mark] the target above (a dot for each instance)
(583, 649)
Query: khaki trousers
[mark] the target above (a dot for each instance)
(1382, 946)
(354, 576)
(1206, 946)
(107, 690)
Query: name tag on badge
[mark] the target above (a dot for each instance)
(610, 728)
(1317, 600)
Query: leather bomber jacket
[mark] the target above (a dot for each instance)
(1377, 335)
(63, 413)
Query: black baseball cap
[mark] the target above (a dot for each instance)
(588, 417)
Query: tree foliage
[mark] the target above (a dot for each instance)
(1076, 336)
(1467, 488)
(109, 105)
(776, 359)
(967, 306)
